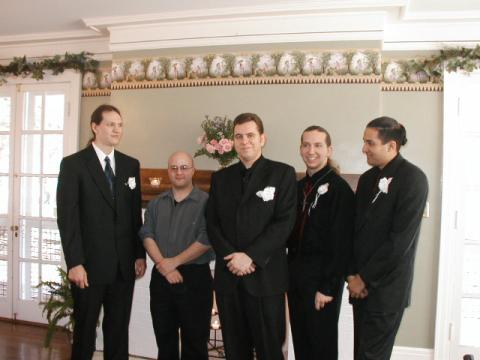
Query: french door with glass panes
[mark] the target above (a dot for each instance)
(37, 129)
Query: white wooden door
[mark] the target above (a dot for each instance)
(38, 126)
(458, 318)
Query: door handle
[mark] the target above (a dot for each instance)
(14, 228)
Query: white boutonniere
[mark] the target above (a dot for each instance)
(131, 183)
(322, 189)
(266, 194)
(382, 187)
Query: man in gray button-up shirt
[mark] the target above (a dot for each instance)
(175, 237)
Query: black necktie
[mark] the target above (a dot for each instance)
(110, 175)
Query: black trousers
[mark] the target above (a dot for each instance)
(186, 307)
(374, 332)
(314, 332)
(116, 299)
(250, 322)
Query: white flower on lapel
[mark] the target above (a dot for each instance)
(382, 187)
(131, 183)
(266, 194)
(322, 189)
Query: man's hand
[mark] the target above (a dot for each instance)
(239, 263)
(166, 265)
(140, 267)
(356, 287)
(78, 276)
(321, 300)
(174, 277)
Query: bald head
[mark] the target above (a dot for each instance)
(180, 170)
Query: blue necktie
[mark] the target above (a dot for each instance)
(110, 175)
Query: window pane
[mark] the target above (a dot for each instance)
(470, 322)
(32, 118)
(51, 245)
(29, 279)
(54, 112)
(4, 198)
(5, 113)
(49, 193)
(472, 176)
(31, 152)
(52, 153)
(29, 238)
(30, 196)
(471, 269)
(472, 209)
(3, 237)
(49, 273)
(3, 278)
(4, 153)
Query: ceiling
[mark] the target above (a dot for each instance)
(26, 22)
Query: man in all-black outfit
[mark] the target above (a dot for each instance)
(390, 199)
(250, 214)
(318, 250)
(99, 215)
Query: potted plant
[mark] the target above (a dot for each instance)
(58, 306)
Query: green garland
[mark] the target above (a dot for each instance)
(20, 66)
(453, 59)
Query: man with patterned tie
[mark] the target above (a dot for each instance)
(99, 215)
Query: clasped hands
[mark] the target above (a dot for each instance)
(168, 268)
(357, 287)
(240, 264)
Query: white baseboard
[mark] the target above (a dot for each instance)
(411, 353)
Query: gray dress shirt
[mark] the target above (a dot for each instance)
(175, 227)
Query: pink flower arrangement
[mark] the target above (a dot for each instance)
(216, 141)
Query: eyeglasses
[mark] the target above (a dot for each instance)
(181, 167)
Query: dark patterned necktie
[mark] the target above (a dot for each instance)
(110, 175)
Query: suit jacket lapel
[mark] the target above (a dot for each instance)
(120, 173)
(255, 181)
(98, 175)
(387, 172)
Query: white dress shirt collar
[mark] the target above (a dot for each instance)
(101, 156)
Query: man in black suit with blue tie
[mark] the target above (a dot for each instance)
(250, 214)
(99, 215)
(390, 200)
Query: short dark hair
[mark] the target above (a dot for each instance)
(97, 117)
(246, 117)
(389, 129)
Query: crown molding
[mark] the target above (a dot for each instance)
(309, 27)
(258, 10)
(53, 36)
(99, 46)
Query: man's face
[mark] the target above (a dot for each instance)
(180, 170)
(314, 150)
(109, 132)
(248, 142)
(378, 154)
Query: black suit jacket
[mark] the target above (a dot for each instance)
(97, 230)
(247, 223)
(318, 261)
(386, 233)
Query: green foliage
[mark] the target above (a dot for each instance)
(58, 306)
(218, 134)
(20, 66)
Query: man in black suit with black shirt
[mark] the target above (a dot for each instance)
(99, 215)
(390, 200)
(250, 214)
